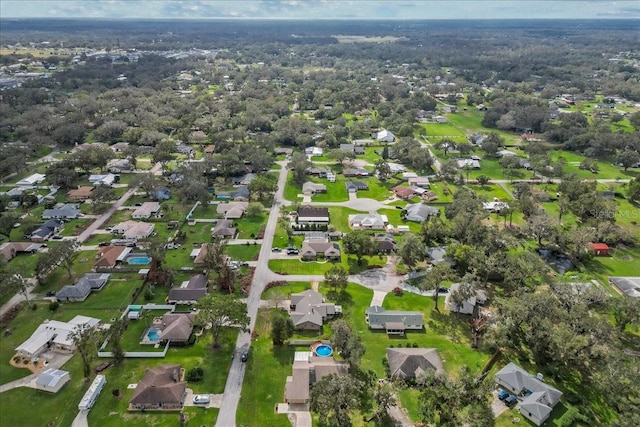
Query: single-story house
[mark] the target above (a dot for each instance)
(134, 229)
(385, 136)
(600, 249)
(119, 146)
(405, 363)
(198, 255)
(283, 150)
(46, 230)
(244, 179)
(175, 327)
(406, 176)
(468, 164)
(495, 206)
(241, 194)
(395, 322)
(505, 153)
(197, 136)
(311, 188)
(107, 180)
(81, 289)
(395, 167)
(315, 248)
(80, 194)
(314, 151)
(307, 370)
(110, 256)
(468, 305)
(403, 192)
(162, 388)
(539, 398)
(231, 210)
(355, 186)
(224, 228)
(190, 291)
(10, 250)
(52, 380)
(35, 179)
(54, 335)
(309, 311)
(146, 210)
(386, 243)
(184, 149)
(418, 212)
(419, 181)
(313, 215)
(353, 148)
(209, 149)
(160, 193)
(630, 286)
(438, 254)
(65, 211)
(119, 166)
(372, 221)
(356, 172)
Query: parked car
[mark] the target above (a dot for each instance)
(292, 252)
(442, 290)
(57, 237)
(51, 293)
(276, 250)
(503, 394)
(103, 244)
(244, 357)
(201, 399)
(511, 401)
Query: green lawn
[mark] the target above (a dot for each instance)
(249, 227)
(339, 217)
(395, 219)
(436, 131)
(243, 252)
(297, 266)
(288, 289)
(336, 191)
(606, 169)
(378, 190)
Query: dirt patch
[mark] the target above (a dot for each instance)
(18, 361)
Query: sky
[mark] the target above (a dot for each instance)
(322, 9)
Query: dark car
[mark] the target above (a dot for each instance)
(442, 290)
(503, 394)
(57, 237)
(51, 294)
(292, 252)
(276, 250)
(103, 244)
(511, 401)
(244, 357)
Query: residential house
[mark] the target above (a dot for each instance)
(406, 176)
(65, 211)
(355, 186)
(231, 210)
(209, 149)
(429, 196)
(46, 230)
(629, 286)
(468, 305)
(110, 256)
(353, 148)
(440, 119)
(310, 188)
(175, 328)
(307, 370)
(309, 311)
(538, 398)
(505, 153)
(190, 291)
(199, 255)
(30, 181)
(319, 172)
(372, 221)
(313, 151)
(395, 167)
(10, 250)
(403, 192)
(495, 206)
(134, 229)
(395, 322)
(160, 193)
(81, 289)
(385, 136)
(386, 243)
(358, 172)
(197, 136)
(224, 229)
(468, 164)
(600, 249)
(184, 149)
(119, 147)
(313, 215)
(419, 181)
(119, 166)
(314, 248)
(52, 380)
(106, 180)
(54, 335)
(418, 212)
(146, 210)
(409, 363)
(438, 254)
(283, 151)
(241, 194)
(80, 194)
(161, 388)
(244, 179)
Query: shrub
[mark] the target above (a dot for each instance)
(408, 345)
(397, 291)
(34, 307)
(415, 345)
(54, 305)
(115, 392)
(195, 375)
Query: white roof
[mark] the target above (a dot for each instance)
(33, 179)
(51, 377)
(56, 331)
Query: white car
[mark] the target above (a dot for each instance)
(201, 399)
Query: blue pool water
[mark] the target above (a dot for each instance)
(324, 350)
(139, 260)
(153, 335)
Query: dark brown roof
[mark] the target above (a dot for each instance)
(310, 211)
(160, 385)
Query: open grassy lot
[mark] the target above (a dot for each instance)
(378, 190)
(248, 227)
(606, 169)
(288, 289)
(243, 252)
(395, 219)
(489, 192)
(336, 191)
(339, 217)
(297, 266)
(436, 131)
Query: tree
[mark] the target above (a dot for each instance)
(341, 155)
(347, 343)
(66, 254)
(483, 180)
(114, 335)
(433, 279)
(217, 312)
(299, 165)
(411, 250)
(633, 189)
(336, 277)
(255, 209)
(358, 243)
(434, 231)
(541, 227)
(333, 398)
(259, 159)
(85, 338)
(163, 153)
(6, 224)
(261, 185)
(628, 158)
(102, 194)
(384, 396)
(383, 170)
(281, 328)
(625, 311)
(62, 174)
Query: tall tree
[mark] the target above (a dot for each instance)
(411, 250)
(85, 338)
(383, 170)
(299, 165)
(6, 224)
(336, 278)
(114, 335)
(333, 398)
(434, 278)
(217, 312)
(358, 243)
(347, 343)
(262, 185)
(282, 327)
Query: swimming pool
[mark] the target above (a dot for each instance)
(139, 260)
(153, 335)
(323, 350)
